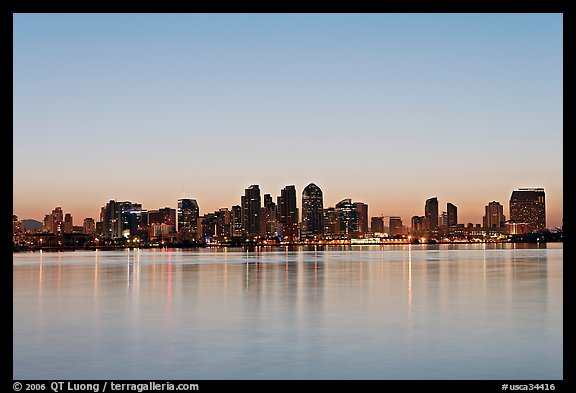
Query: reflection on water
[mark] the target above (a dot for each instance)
(332, 312)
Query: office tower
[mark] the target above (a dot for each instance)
(312, 211)
(288, 214)
(54, 222)
(270, 220)
(347, 216)
(188, 213)
(395, 226)
(452, 215)
(89, 226)
(223, 230)
(134, 218)
(331, 222)
(111, 218)
(418, 225)
(362, 216)
(527, 205)
(377, 224)
(443, 220)
(162, 221)
(236, 214)
(493, 215)
(251, 204)
(431, 213)
(68, 224)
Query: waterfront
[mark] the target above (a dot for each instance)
(470, 311)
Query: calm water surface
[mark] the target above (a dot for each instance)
(361, 312)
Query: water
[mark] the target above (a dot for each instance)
(360, 312)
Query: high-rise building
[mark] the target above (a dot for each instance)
(418, 225)
(251, 204)
(528, 205)
(396, 228)
(362, 215)
(312, 211)
(431, 213)
(270, 216)
(236, 214)
(493, 215)
(377, 224)
(452, 211)
(347, 217)
(188, 213)
(288, 214)
(89, 227)
(165, 219)
(134, 218)
(331, 222)
(223, 224)
(111, 217)
(68, 223)
(54, 222)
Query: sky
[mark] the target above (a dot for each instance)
(386, 109)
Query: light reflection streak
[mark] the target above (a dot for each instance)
(410, 322)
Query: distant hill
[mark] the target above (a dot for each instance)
(31, 225)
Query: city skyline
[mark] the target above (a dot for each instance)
(386, 109)
(307, 214)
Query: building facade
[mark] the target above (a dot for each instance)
(312, 212)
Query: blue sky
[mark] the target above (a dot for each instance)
(388, 109)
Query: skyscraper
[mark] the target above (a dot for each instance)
(431, 213)
(251, 204)
(362, 215)
(111, 217)
(270, 216)
(493, 215)
(68, 223)
(347, 217)
(312, 211)
(331, 222)
(236, 220)
(452, 215)
(528, 205)
(89, 226)
(377, 224)
(188, 213)
(395, 226)
(288, 213)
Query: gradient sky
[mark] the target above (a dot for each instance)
(387, 109)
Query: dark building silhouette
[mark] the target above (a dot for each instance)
(331, 222)
(347, 217)
(362, 216)
(493, 215)
(377, 224)
(236, 216)
(188, 213)
(528, 205)
(431, 213)
(251, 204)
(270, 216)
(452, 211)
(396, 226)
(288, 213)
(312, 211)
(111, 218)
